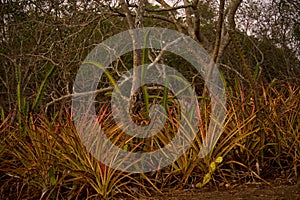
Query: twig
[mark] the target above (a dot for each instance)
(76, 95)
(232, 69)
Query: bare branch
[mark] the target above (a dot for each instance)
(171, 14)
(128, 14)
(231, 13)
(167, 9)
(77, 95)
(140, 13)
(189, 21)
(219, 30)
(235, 71)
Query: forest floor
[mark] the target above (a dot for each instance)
(257, 191)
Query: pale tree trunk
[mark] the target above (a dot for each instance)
(134, 23)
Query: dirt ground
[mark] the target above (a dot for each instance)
(244, 192)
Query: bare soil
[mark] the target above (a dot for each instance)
(243, 192)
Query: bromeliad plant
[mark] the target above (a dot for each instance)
(49, 161)
(46, 159)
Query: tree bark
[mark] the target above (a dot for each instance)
(135, 95)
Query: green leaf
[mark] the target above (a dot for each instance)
(52, 176)
(42, 88)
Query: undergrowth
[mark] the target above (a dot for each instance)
(45, 159)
